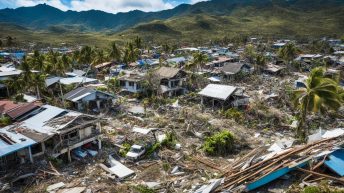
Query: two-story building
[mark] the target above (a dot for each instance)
(48, 131)
(172, 81)
(132, 82)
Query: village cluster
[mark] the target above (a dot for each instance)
(260, 116)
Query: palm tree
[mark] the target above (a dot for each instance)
(288, 53)
(200, 59)
(51, 62)
(26, 75)
(37, 61)
(98, 56)
(38, 81)
(260, 62)
(321, 94)
(133, 52)
(86, 55)
(63, 65)
(115, 52)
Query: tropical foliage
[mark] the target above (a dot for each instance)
(320, 95)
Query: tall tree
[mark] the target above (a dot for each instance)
(98, 56)
(26, 74)
(38, 81)
(115, 52)
(37, 61)
(86, 55)
(51, 63)
(321, 94)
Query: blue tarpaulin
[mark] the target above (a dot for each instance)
(336, 162)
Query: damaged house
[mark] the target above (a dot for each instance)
(171, 81)
(88, 98)
(232, 71)
(53, 132)
(132, 82)
(224, 96)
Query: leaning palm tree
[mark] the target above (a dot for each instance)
(115, 52)
(319, 95)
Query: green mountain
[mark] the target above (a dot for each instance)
(199, 22)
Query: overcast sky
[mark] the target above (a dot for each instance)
(111, 6)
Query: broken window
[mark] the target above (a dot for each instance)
(37, 148)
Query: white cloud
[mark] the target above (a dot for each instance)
(196, 1)
(111, 6)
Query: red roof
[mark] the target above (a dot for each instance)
(15, 110)
(21, 110)
(7, 105)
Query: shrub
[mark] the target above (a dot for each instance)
(123, 152)
(220, 143)
(235, 114)
(144, 189)
(4, 121)
(170, 140)
(101, 88)
(311, 189)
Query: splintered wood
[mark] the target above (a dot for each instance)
(253, 167)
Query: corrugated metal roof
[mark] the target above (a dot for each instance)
(73, 80)
(78, 93)
(21, 110)
(38, 121)
(18, 142)
(52, 80)
(218, 91)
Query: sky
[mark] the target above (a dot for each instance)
(111, 6)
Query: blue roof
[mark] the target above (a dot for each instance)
(336, 162)
(15, 141)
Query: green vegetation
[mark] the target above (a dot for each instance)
(320, 95)
(123, 152)
(201, 23)
(4, 121)
(235, 114)
(144, 189)
(170, 140)
(221, 143)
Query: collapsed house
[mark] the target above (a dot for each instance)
(223, 96)
(88, 98)
(49, 131)
(274, 69)
(171, 81)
